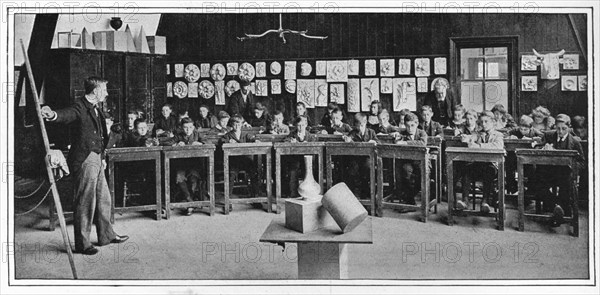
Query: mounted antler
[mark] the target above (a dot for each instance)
(281, 31)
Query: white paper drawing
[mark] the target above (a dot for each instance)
(528, 63)
(353, 67)
(439, 66)
(387, 67)
(290, 70)
(571, 62)
(336, 93)
(529, 83)
(321, 68)
(261, 69)
(405, 94)
(232, 69)
(262, 88)
(370, 67)
(422, 67)
(404, 66)
(422, 85)
(337, 71)
(305, 92)
(369, 91)
(321, 92)
(386, 85)
(220, 93)
(353, 95)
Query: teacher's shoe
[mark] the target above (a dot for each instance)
(89, 251)
(119, 239)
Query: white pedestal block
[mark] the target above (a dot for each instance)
(306, 215)
(322, 261)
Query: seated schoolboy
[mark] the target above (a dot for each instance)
(206, 119)
(432, 128)
(503, 118)
(359, 178)
(301, 110)
(165, 125)
(116, 134)
(580, 127)
(487, 138)
(326, 119)
(131, 117)
(295, 164)
(337, 126)
(542, 119)
(222, 124)
(241, 162)
(403, 113)
(470, 125)
(276, 125)
(409, 183)
(261, 117)
(546, 177)
(525, 129)
(458, 118)
(140, 137)
(385, 127)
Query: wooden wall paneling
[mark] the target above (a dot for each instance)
(113, 72)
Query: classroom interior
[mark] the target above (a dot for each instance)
(487, 59)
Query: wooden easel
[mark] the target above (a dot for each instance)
(59, 211)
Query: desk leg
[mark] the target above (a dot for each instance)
(574, 192)
(158, 180)
(450, 172)
(521, 185)
(324, 261)
(111, 188)
(379, 199)
(501, 179)
(425, 189)
(372, 183)
(277, 179)
(329, 164)
(270, 185)
(320, 161)
(211, 183)
(167, 167)
(226, 180)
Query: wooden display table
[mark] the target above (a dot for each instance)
(247, 149)
(475, 155)
(555, 158)
(185, 152)
(123, 155)
(322, 254)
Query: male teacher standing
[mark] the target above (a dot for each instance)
(92, 201)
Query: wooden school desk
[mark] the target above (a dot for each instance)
(185, 152)
(124, 155)
(247, 149)
(475, 155)
(555, 158)
(322, 254)
(404, 152)
(353, 149)
(298, 148)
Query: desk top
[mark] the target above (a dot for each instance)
(546, 153)
(276, 232)
(467, 150)
(134, 150)
(299, 144)
(189, 147)
(350, 144)
(329, 137)
(271, 137)
(247, 145)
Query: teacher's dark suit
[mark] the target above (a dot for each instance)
(237, 106)
(438, 107)
(92, 200)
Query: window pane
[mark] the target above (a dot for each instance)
(471, 63)
(496, 63)
(496, 92)
(471, 95)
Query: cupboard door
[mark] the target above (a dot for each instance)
(83, 65)
(137, 79)
(159, 87)
(113, 72)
